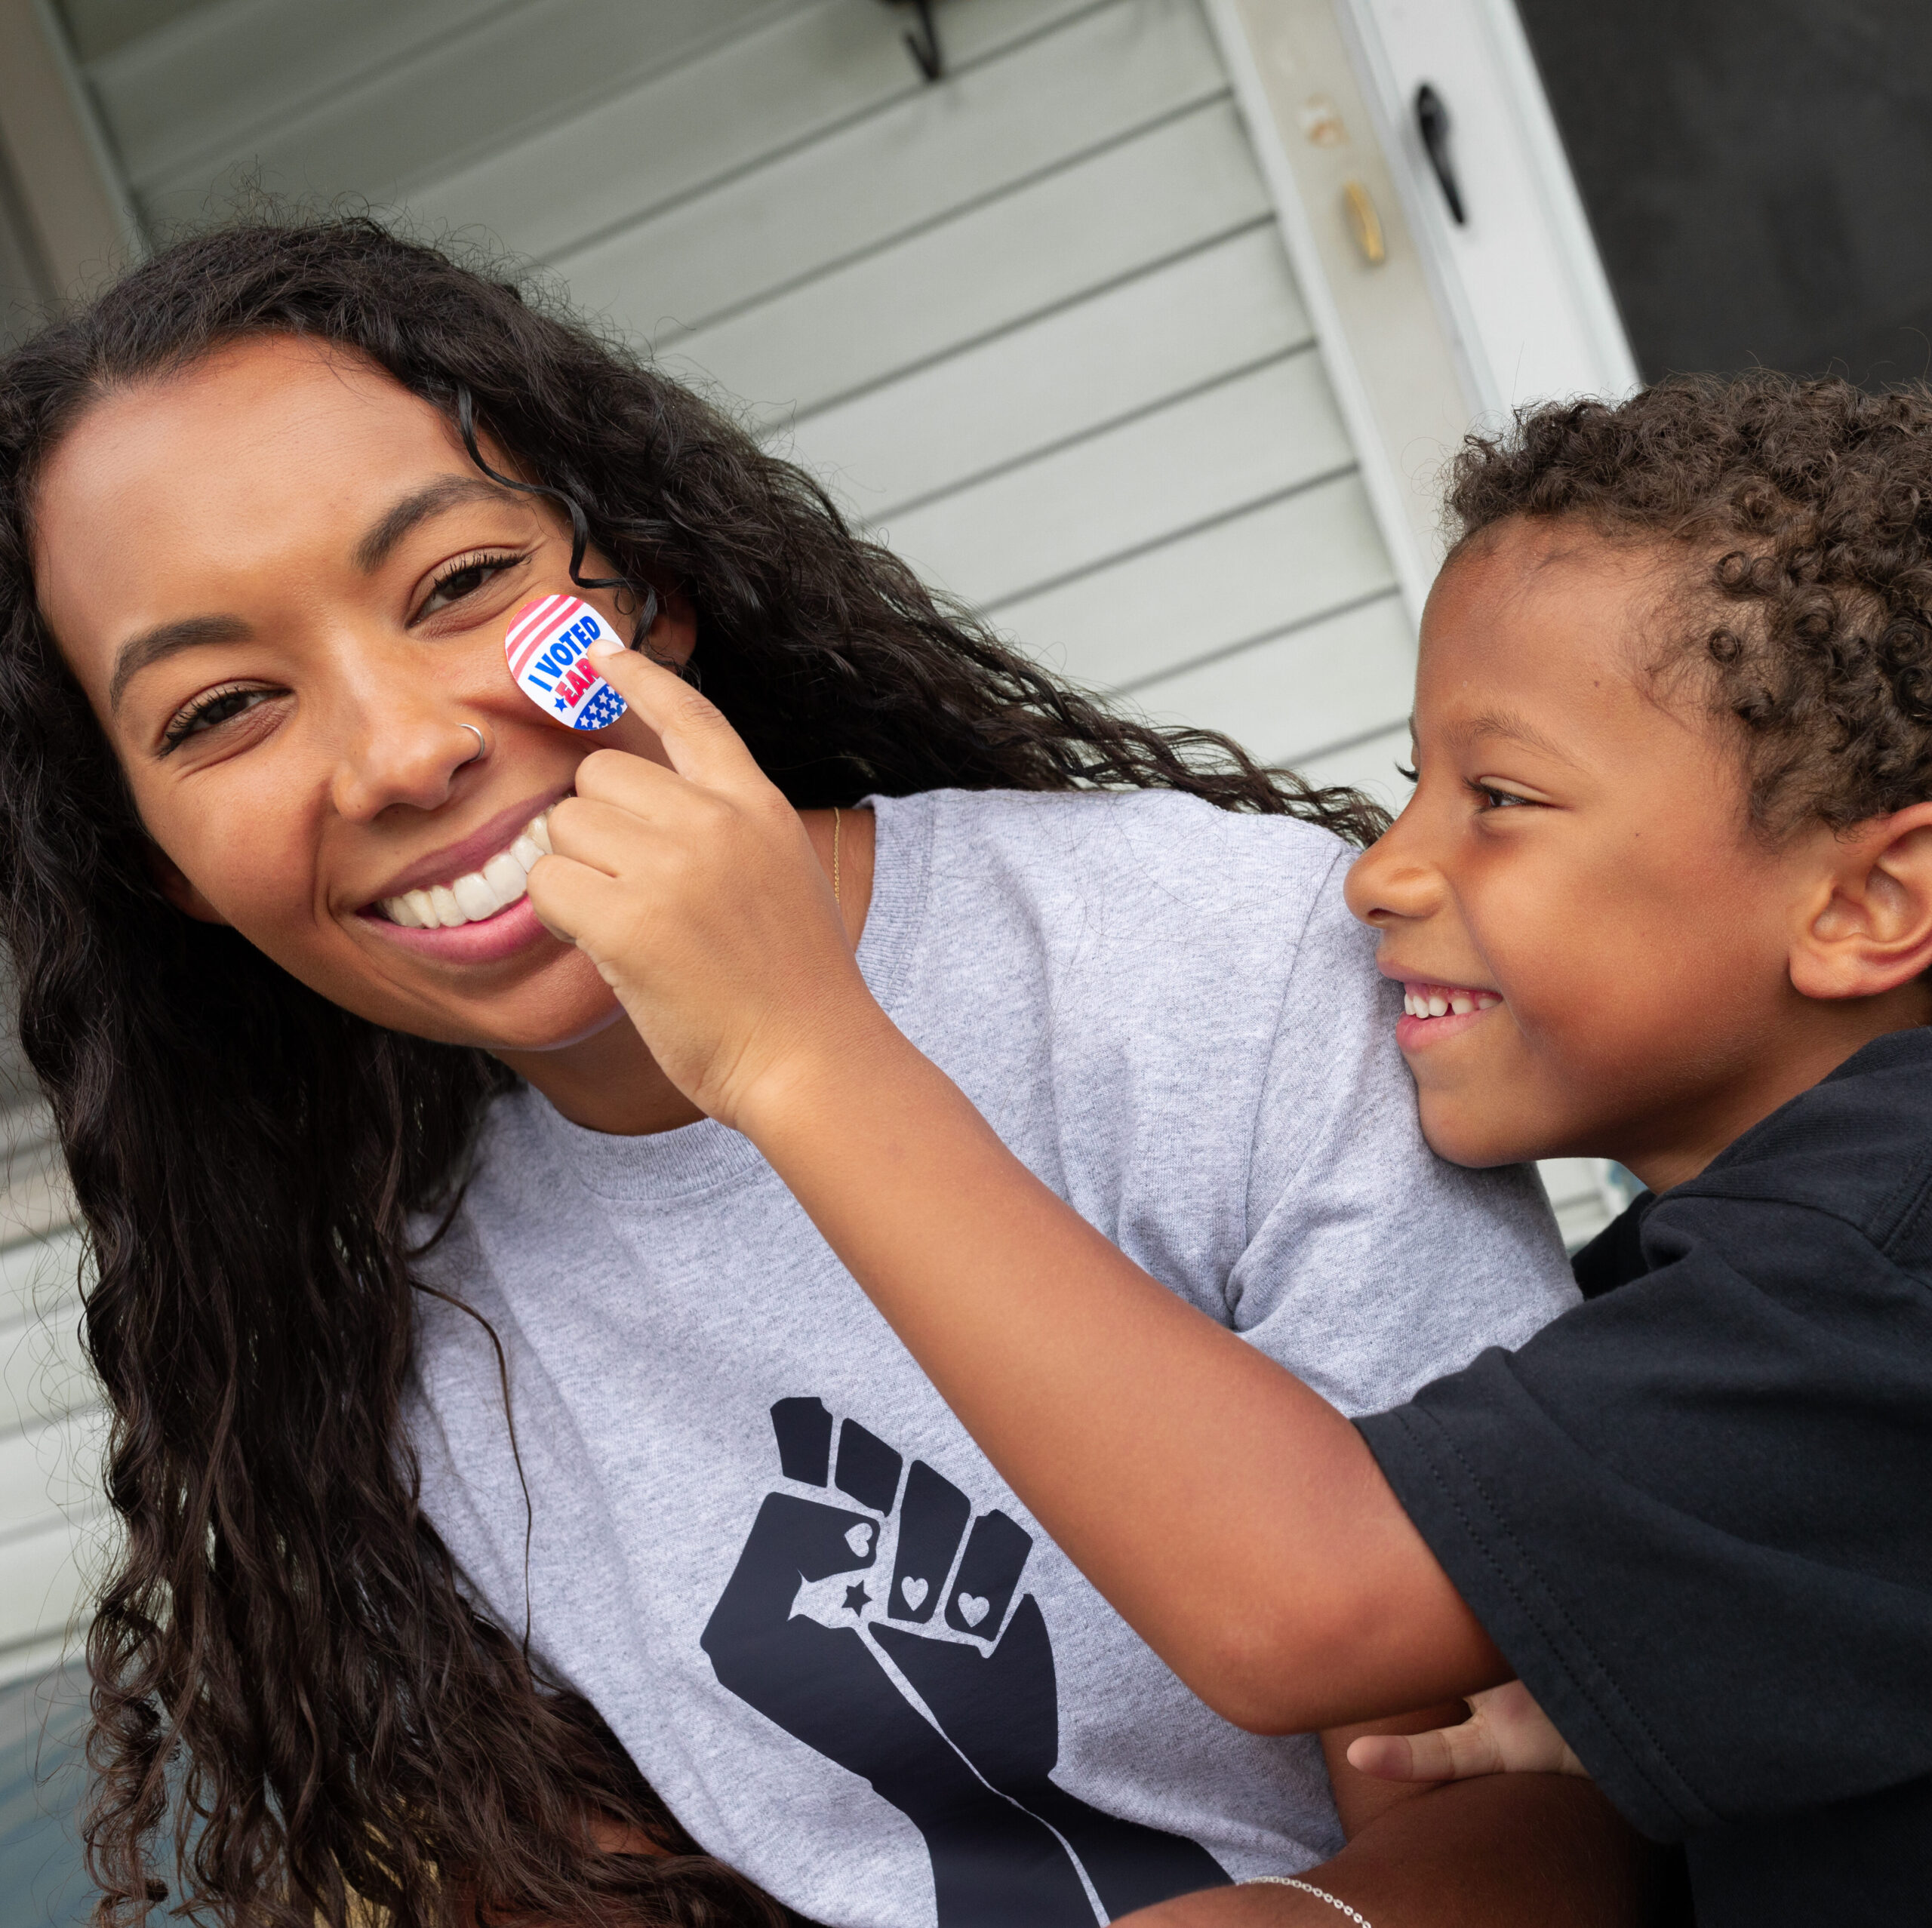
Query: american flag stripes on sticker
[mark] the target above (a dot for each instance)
(544, 647)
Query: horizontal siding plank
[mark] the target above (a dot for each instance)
(1579, 1220)
(35, 1198)
(98, 26)
(895, 172)
(1318, 685)
(1194, 460)
(1055, 241)
(44, 1372)
(45, 1580)
(38, 1276)
(1286, 562)
(436, 100)
(50, 1470)
(201, 85)
(1368, 764)
(1570, 1181)
(801, 75)
(1115, 354)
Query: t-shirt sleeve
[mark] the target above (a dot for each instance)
(1370, 1265)
(1696, 1515)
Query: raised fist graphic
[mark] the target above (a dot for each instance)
(932, 1684)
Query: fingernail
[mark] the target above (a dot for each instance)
(607, 645)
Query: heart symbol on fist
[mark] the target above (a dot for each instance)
(860, 1539)
(915, 1591)
(972, 1608)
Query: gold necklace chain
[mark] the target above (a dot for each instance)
(838, 902)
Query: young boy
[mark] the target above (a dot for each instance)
(1663, 895)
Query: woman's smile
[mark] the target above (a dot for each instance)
(467, 903)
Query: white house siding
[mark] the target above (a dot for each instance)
(51, 1420)
(1033, 324)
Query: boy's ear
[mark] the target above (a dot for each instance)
(1874, 930)
(172, 883)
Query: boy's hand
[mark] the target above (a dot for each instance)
(1506, 1733)
(696, 892)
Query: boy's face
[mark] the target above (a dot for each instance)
(1573, 883)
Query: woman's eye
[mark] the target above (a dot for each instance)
(463, 580)
(222, 706)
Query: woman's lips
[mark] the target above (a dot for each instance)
(470, 852)
(1434, 1012)
(491, 939)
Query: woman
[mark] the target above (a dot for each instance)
(465, 1469)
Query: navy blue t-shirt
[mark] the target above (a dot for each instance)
(1695, 1513)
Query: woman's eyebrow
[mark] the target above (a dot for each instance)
(431, 498)
(165, 640)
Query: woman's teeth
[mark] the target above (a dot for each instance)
(1445, 1001)
(479, 895)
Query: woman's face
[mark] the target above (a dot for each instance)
(285, 588)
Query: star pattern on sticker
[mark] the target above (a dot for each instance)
(603, 709)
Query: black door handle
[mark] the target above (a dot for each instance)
(1433, 124)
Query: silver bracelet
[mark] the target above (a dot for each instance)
(1307, 1888)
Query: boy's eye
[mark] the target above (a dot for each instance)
(1407, 773)
(462, 579)
(1495, 799)
(209, 712)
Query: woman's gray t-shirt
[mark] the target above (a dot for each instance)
(828, 1633)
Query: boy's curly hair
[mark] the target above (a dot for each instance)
(1804, 509)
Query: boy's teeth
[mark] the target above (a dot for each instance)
(1427, 1001)
(481, 894)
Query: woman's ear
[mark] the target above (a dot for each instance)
(172, 881)
(1873, 931)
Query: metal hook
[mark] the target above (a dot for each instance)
(1433, 124)
(923, 42)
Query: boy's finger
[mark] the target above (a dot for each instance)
(632, 784)
(1459, 1753)
(701, 744)
(566, 896)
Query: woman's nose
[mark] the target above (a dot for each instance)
(1394, 877)
(416, 766)
(398, 742)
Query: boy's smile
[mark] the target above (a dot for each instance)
(1597, 951)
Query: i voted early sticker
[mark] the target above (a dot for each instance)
(546, 647)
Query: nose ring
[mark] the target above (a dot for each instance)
(482, 748)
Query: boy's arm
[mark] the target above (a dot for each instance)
(1236, 1520)
(1530, 1850)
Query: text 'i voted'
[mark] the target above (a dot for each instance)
(546, 649)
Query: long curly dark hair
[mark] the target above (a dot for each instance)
(1801, 512)
(287, 1678)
